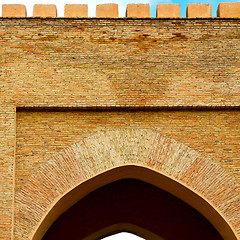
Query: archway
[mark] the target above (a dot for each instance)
(123, 228)
(142, 154)
(137, 203)
(123, 235)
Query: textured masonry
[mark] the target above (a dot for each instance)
(41, 134)
(121, 62)
(7, 166)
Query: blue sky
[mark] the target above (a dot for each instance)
(122, 4)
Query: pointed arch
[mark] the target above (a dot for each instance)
(124, 227)
(142, 154)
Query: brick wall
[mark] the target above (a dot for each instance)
(120, 62)
(7, 167)
(115, 64)
(41, 134)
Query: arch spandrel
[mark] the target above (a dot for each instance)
(138, 153)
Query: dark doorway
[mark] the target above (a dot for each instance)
(135, 202)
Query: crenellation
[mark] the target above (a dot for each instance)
(138, 11)
(110, 10)
(76, 10)
(197, 10)
(14, 10)
(166, 10)
(44, 10)
(228, 9)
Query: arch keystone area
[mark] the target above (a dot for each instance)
(111, 155)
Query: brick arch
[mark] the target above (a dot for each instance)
(110, 155)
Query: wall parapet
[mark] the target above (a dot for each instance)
(194, 10)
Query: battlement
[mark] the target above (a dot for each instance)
(110, 10)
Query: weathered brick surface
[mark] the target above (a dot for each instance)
(121, 62)
(7, 158)
(41, 134)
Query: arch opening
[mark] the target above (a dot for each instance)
(123, 228)
(147, 176)
(122, 235)
(137, 203)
